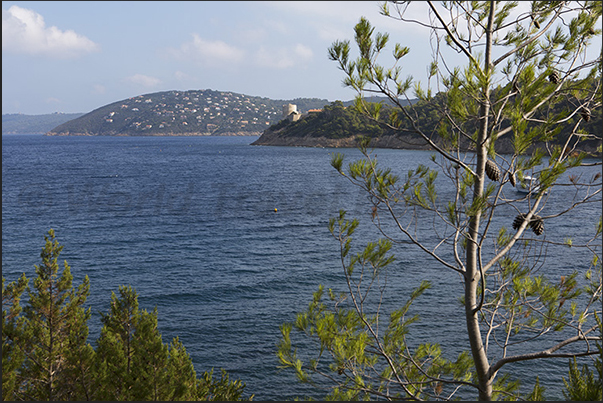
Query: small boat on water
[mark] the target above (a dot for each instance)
(527, 184)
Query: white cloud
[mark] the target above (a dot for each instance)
(252, 35)
(142, 80)
(303, 52)
(336, 20)
(284, 57)
(99, 89)
(276, 59)
(181, 76)
(331, 34)
(335, 12)
(208, 52)
(24, 31)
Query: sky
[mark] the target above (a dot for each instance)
(76, 56)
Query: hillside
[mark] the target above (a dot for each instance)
(18, 123)
(340, 126)
(336, 125)
(183, 113)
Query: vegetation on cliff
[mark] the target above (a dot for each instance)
(337, 123)
(334, 121)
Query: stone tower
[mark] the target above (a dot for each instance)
(288, 109)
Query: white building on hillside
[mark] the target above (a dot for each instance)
(290, 112)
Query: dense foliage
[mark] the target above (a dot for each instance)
(338, 121)
(335, 121)
(46, 354)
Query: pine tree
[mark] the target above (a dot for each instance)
(133, 363)
(222, 389)
(183, 386)
(45, 354)
(527, 76)
(57, 356)
(12, 329)
(115, 349)
(150, 362)
(582, 385)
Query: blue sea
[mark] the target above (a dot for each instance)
(228, 241)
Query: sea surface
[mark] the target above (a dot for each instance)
(230, 240)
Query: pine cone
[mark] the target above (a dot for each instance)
(492, 171)
(537, 224)
(554, 77)
(536, 23)
(512, 178)
(519, 220)
(585, 113)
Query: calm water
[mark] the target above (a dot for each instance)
(190, 223)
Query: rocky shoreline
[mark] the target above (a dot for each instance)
(405, 142)
(348, 142)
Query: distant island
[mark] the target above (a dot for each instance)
(18, 123)
(337, 125)
(182, 113)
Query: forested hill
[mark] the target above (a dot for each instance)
(337, 125)
(341, 126)
(18, 123)
(184, 113)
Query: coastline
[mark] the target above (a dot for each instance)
(156, 134)
(394, 142)
(401, 141)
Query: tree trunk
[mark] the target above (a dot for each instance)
(472, 274)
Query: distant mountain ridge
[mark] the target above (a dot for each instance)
(18, 123)
(183, 113)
